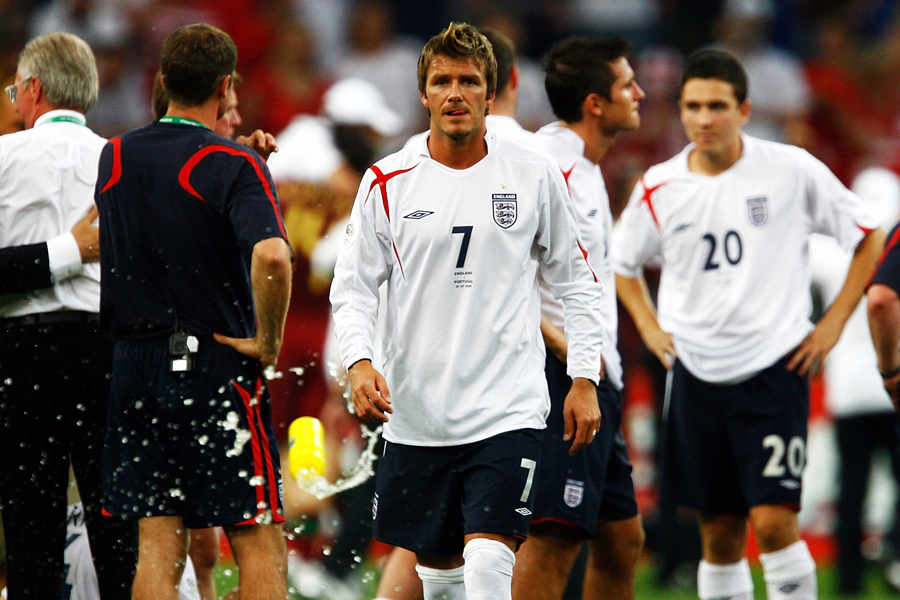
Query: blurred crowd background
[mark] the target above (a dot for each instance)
(824, 75)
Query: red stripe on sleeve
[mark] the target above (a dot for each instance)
(648, 199)
(116, 174)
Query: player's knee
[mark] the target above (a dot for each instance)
(488, 569)
(773, 536)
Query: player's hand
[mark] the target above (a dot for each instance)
(369, 391)
(810, 354)
(87, 236)
(581, 413)
(265, 351)
(892, 387)
(661, 344)
(259, 140)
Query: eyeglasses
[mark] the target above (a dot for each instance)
(12, 90)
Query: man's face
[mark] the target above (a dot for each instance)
(231, 118)
(711, 115)
(620, 113)
(456, 97)
(25, 99)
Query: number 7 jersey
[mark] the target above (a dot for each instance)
(460, 249)
(735, 285)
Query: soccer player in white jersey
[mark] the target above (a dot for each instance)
(590, 495)
(730, 216)
(458, 227)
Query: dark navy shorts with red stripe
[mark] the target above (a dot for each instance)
(198, 445)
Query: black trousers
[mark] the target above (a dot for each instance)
(54, 394)
(858, 438)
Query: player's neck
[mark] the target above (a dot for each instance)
(206, 113)
(596, 142)
(457, 154)
(712, 163)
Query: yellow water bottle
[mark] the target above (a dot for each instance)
(306, 448)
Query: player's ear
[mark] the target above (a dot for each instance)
(745, 111)
(593, 104)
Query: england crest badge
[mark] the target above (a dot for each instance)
(504, 209)
(758, 210)
(573, 493)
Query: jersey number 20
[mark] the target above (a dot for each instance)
(733, 249)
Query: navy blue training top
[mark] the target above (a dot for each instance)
(180, 211)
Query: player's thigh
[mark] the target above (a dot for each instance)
(697, 464)
(499, 483)
(768, 424)
(418, 495)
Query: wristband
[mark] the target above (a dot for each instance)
(889, 374)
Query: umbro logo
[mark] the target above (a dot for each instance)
(790, 484)
(523, 511)
(789, 588)
(419, 214)
(593, 213)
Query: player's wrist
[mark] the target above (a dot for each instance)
(889, 374)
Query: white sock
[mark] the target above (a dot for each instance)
(489, 569)
(790, 573)
(442, 584)
(725, 581)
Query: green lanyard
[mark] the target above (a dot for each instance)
(65, 119)
(182, 121)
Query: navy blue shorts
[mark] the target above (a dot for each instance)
(595, 484)
(728, 448)
(428, 498)
(199, 445)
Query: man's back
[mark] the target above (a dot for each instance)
(190, 205)
(47, 177)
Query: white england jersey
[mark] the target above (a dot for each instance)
(587, 190)
(81, 579)
(734, 291)
(460, 249)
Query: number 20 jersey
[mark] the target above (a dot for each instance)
(734, 291)
(460, 249)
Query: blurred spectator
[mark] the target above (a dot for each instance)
(317, 170)
(386, 60)
(864, 417)
(287, 84)
(778, 90)
(327, 22)
(634, 19)
(848, 125)
(123, 102)
(97, 22)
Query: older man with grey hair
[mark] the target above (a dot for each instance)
(54, 360)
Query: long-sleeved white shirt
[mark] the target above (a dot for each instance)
(460, 249)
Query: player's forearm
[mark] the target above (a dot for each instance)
(862, 265)
(635, 297)
(884, 323)
(270, 278)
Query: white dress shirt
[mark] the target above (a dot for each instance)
(47, 177)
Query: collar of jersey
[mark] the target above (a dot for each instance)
(182, 121)
(569, 138)
(421, 146)
(69, 116)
